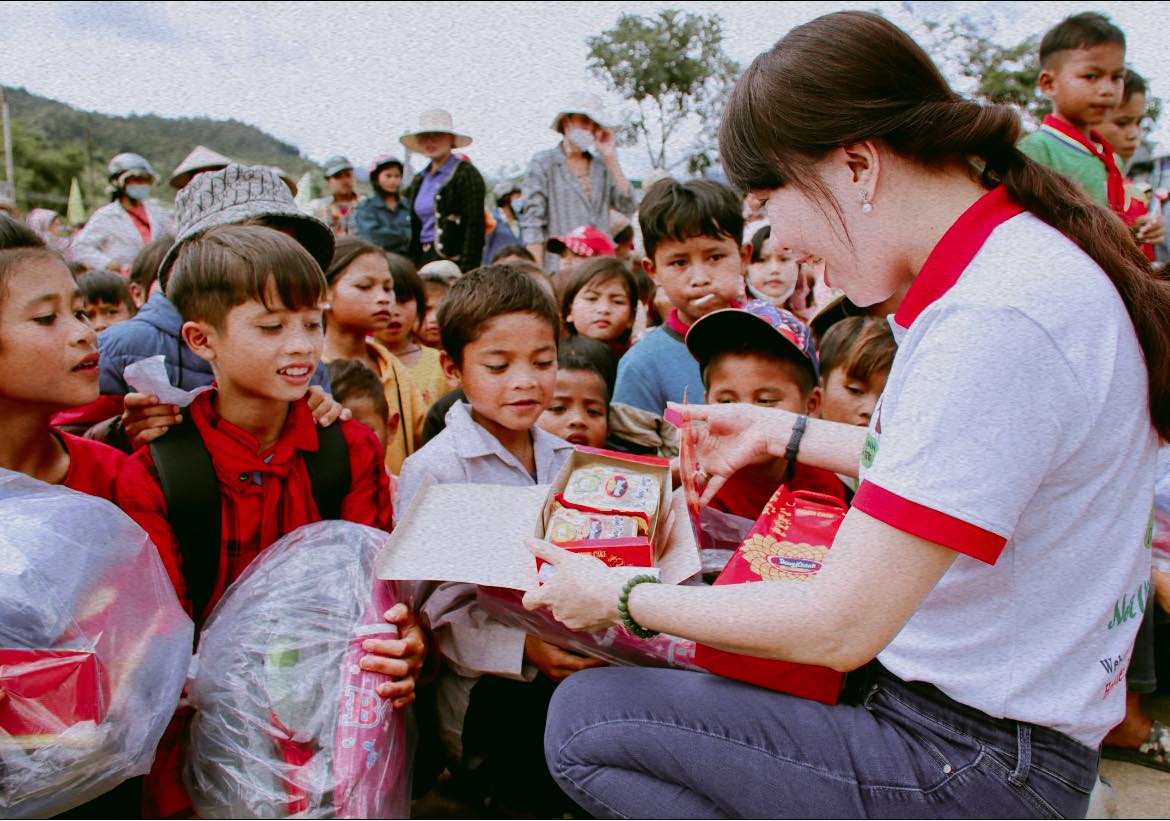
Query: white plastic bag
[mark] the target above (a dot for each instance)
(286, 723)
(94, 648)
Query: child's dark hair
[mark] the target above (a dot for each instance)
(768, 344)
(229, 265)
(758, 239)
(1134, 84)
(513, 251)
(599, 270)
(345, 251)
(623, 236)
(351, 379)
(678, 211)
(1084, 30)
(481, 295)
(408, 285)
(18, 243)
(585, 353)
(105, 287)
(860, 345)
(144, 269)
(819, 88)
(535, 271)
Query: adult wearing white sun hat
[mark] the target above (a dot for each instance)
(565, 187)
(447, 220)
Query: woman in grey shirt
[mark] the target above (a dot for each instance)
(565, 187)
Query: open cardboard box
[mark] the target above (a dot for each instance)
(475, 533)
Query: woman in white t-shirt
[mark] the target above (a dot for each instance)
(993, 565)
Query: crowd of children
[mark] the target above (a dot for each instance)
(343, 378)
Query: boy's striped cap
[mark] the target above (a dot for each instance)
(758, 321)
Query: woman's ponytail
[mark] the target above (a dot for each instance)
(853, 76)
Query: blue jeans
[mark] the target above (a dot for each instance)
(650, 743)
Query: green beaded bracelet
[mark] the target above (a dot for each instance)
(624, 607)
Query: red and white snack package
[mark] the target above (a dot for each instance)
(788, 544)
(287, 723)
(94, 648)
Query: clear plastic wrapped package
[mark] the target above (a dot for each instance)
(286, 723)
(94, 648)
(617, 645)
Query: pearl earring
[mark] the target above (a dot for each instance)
(866, 205)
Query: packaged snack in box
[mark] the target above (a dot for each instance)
(788, 544)
(610, 505)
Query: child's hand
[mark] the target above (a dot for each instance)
(554, 662)
(326, 410)
(401, 659)
(144, 418)
(1150, 228)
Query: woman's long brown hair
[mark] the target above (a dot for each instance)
(853, 76)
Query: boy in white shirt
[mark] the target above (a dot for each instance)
(499, 332)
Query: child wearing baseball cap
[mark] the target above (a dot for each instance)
(577, 246)
(763, 355)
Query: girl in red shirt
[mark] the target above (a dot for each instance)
(49, 357)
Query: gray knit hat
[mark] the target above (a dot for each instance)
(239, 193)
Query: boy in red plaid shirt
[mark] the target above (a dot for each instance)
(251, 301)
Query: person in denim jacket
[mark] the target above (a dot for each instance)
(384, 217)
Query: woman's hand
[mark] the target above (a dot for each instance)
(583, 592)
(401, 659)
(145, 419)
(732, 436)
(326, 410)
(554, 662)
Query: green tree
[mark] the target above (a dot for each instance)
(43, 170)
(673, 68)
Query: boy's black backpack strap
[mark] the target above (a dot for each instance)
(329, 471)
(191, 490)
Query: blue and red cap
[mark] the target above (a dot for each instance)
(759, 323)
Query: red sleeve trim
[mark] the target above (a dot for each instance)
(927, 523)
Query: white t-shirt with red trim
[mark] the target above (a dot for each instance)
(1015, 430)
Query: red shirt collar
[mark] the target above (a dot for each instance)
(679, 327)
(676, 324)
(237, 451)
(1100, 148)
(955, 250)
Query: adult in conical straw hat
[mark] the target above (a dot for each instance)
(199, 160)
(447, 198)
(577, 181)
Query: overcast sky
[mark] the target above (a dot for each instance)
(350, 77)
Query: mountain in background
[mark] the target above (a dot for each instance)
(54, 142)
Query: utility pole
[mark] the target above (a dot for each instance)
(10, 182)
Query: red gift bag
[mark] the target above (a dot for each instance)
(788, 543)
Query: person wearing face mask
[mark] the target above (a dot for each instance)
(118, 231)
(567, 186)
